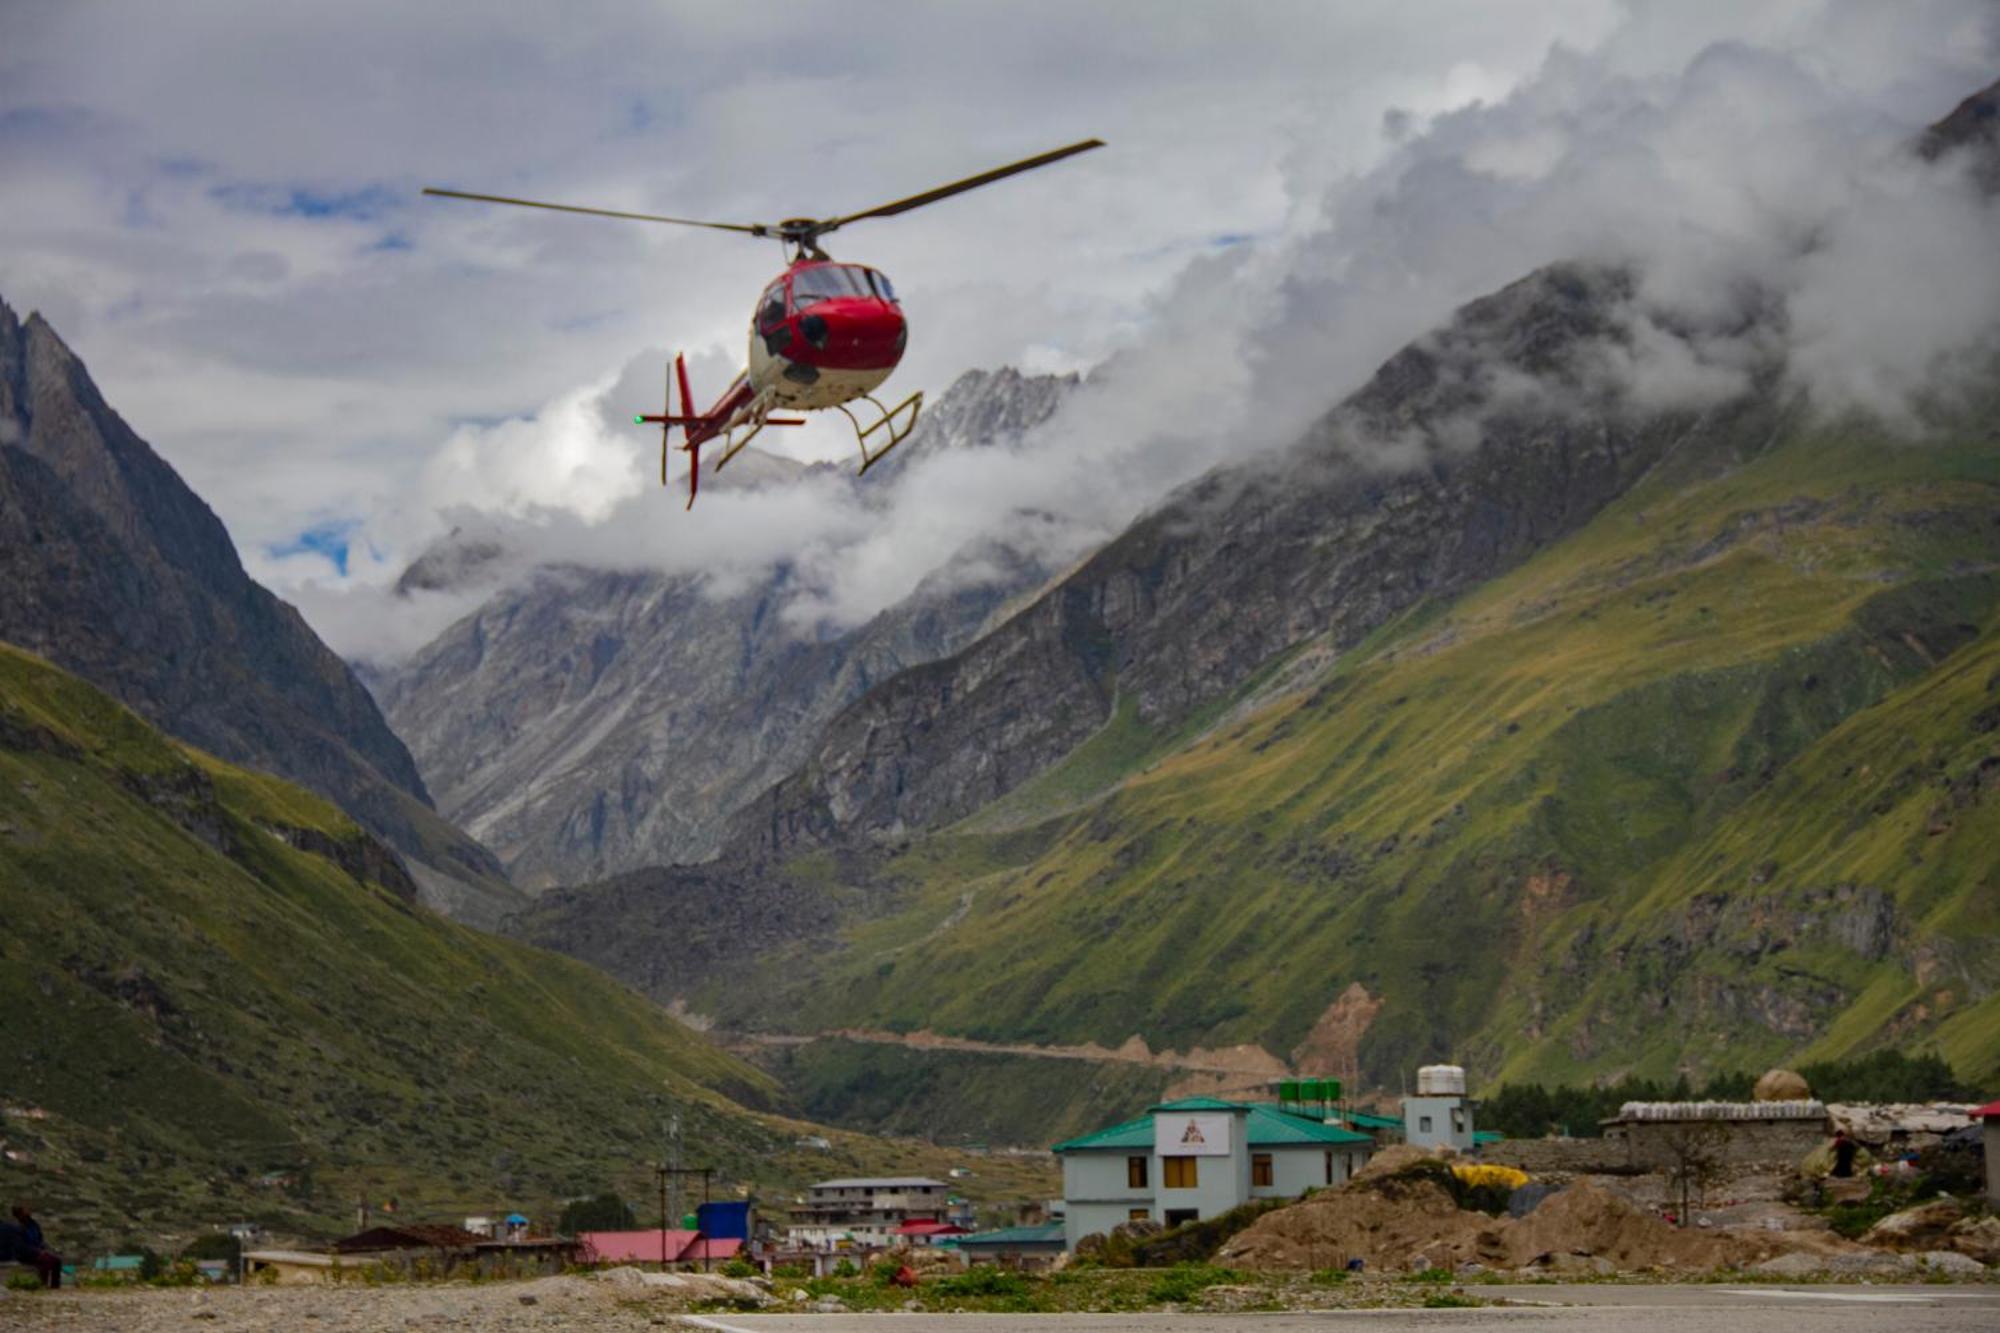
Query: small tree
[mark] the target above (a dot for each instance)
(600, 1212)
(1694, 1160)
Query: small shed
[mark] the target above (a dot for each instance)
(1026, 1247)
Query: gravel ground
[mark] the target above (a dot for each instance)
(544, 1304)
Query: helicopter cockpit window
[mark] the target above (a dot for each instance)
(771, 310)
(882, 287)
(825, 283)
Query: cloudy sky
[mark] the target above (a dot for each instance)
(216, 204)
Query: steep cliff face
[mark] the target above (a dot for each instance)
(1442, 472)
(585, 722)
(115, 570)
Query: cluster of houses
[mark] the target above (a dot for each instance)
(1181, 1161)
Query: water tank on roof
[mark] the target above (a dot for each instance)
(1441, 1081)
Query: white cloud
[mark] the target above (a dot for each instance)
(223, 221)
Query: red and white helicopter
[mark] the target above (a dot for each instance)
(823, 335)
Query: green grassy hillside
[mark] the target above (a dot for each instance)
(1708, 784)
(199, 993)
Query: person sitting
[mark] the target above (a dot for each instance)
(23, 1243)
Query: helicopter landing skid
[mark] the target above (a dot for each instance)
(745, 426)
(892, 419)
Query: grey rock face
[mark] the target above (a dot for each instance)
(1467, 452)
(115, 570)
(584, 722)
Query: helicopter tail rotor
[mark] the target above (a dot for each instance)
(736, 417)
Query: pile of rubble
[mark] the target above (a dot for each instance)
(1401, 1219)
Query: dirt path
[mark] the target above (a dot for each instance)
(1251, 1063)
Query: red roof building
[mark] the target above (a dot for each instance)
(643, 1247)
(634, 1247)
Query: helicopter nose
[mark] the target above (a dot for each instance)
(878, 338)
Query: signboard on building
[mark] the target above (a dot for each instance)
(1191, 1135)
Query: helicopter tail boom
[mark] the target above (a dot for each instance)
(740, 409)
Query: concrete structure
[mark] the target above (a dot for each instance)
(289, 1267)
(1195, 1158)
(1440, 1115)
(866, 1210)
(1740, 1133)
(1990, 1113)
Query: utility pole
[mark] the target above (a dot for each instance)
(661, 1167)
(675, 1139)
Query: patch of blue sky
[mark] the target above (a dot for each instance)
(44, 121)
(362, 205)
(389, 243)
(329, 540)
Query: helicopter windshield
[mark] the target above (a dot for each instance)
(824, 282)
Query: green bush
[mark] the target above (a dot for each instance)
(1431, 1274)
(846, 1268)
(1450, 1300)
(23, 1282)
(1329, 1277)
(792, 1270)
(1185, 1282)
(983, 1280)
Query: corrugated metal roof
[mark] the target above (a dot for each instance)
(1366, 1119)
(1199, 1104)
(1990, 1109)
(1132, 1134)
(629, 1247)
(1265, 1126)
(1038, 1235)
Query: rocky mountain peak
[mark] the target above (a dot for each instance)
(118, 572)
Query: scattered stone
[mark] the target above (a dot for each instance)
(1979, 1238)
(1951, 1262)
(530, 1300)
(1790, 1266)
(1923, 1227)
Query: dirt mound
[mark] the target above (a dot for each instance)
(1393, 1160)
(1386, 1224)
(1590, 1221)
(1403, 1222)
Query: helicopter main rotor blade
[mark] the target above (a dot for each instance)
(969, 183)
(753, 229)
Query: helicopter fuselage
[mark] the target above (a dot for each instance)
(825, 333)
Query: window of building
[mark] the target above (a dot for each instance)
(1176, 1216)
(1457, 1120)
(1423, 1124)
(1138, 1214)
(1260, 1169)
(1179, 1172)
(1135, 1173)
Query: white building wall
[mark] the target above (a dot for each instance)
(1221, 1182)
(1431, 1122)
(1294, 1170)
(1096, 1196)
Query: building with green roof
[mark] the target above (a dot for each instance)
(1197, 1157)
